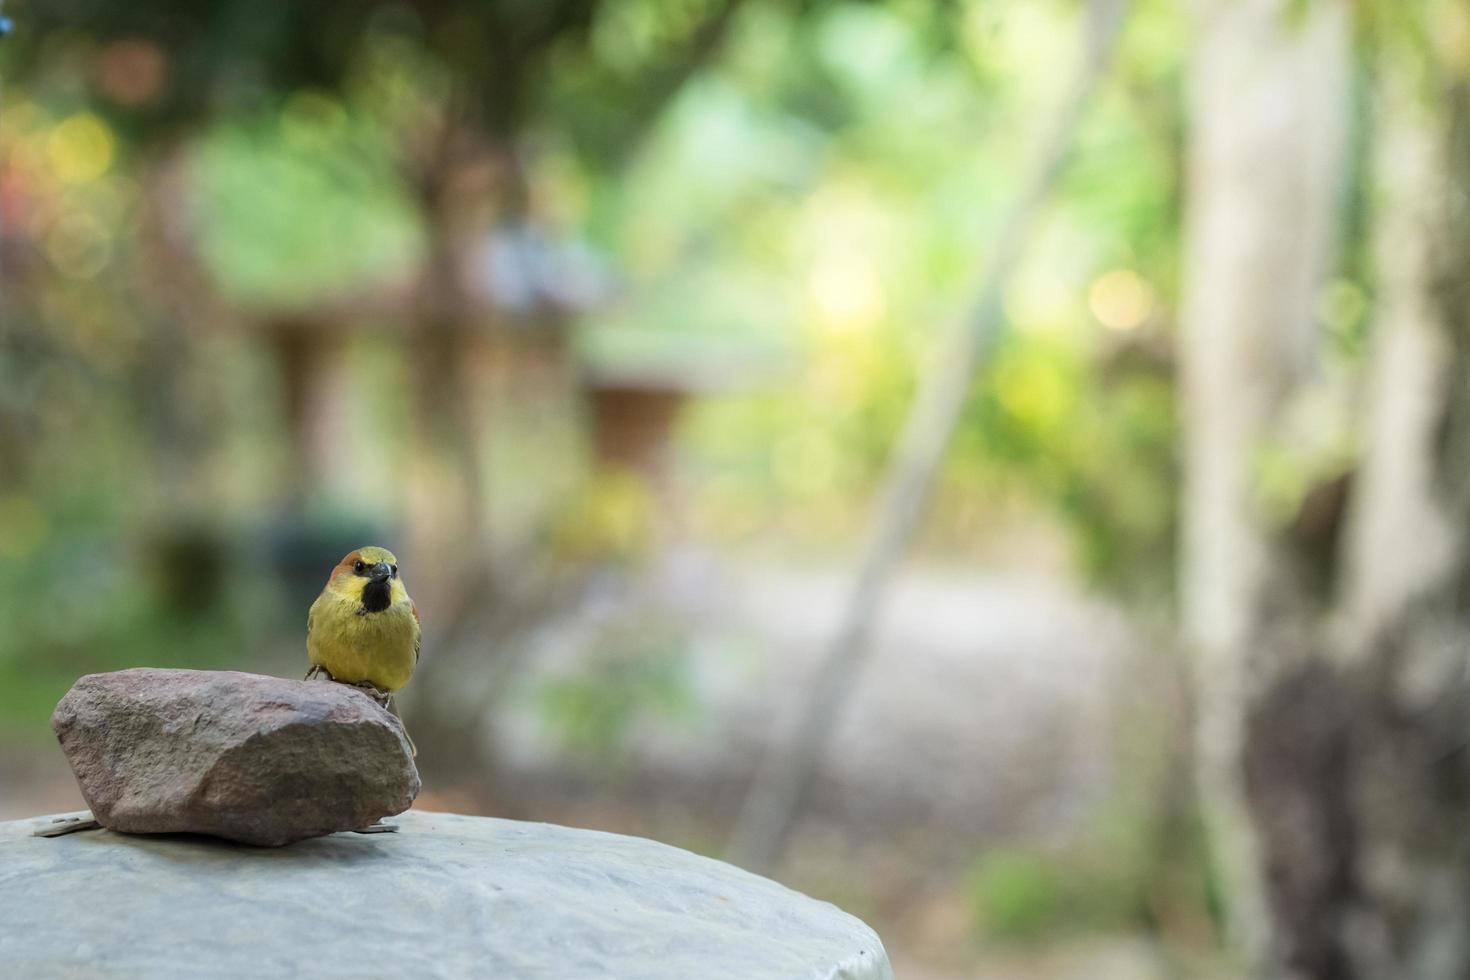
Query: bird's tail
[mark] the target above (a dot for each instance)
(393, 710)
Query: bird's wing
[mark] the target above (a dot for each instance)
(418, 630)
(310, 618)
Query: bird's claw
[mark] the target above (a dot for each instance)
(376, 693)
(382, 697)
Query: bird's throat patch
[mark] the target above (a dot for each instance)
(377, 596)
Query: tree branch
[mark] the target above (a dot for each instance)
(776, 795)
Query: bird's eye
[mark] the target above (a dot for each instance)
(395, 571)
(358, 567)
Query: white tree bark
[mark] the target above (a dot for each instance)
(1400, 540)
(1269, 109)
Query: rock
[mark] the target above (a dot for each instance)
(446, 896)
(255, 759)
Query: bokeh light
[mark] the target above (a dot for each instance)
(1121, 299)
(81, 148)
(845, 291)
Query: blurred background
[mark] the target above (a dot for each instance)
(999, 467)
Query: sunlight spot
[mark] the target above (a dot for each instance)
(1121, 299)
(845, 294)
(80, 148)
(1034, 393)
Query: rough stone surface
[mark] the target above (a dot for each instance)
(255, 759)
(446, 896)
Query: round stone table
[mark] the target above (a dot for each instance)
(444, 896)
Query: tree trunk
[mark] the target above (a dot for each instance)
(1359, 766)
(1268, 100)
(447, 491)
(1398, 542)
(1357, 758)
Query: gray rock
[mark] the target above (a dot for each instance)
(255, 759)
(446, 896)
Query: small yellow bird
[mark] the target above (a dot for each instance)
(364, 629)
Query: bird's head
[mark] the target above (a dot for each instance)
(369, 576)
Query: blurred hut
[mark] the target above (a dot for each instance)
(637, 387)
(408, 342)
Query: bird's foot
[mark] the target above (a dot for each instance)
(375, 692)
(384, 698)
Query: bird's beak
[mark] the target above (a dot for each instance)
(382, 571)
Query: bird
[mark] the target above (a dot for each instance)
(363, 629)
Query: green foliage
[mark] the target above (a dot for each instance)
(1019, 895)
(302, 205)
(218, 55)
(1099, 445)
(1023, 896)
(809, 212)
(831, 194)
(83, 604)
(636, 674)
